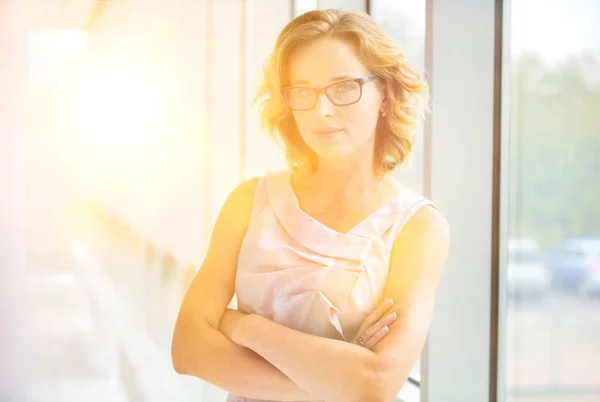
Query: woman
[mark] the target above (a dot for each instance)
(315, 254)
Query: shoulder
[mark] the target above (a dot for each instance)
(236, 210)
(246, 189)
(420, 214)
(428, 228)
(427, 222)
(423, 244)
(242, 196)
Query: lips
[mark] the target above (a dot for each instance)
(328, 130)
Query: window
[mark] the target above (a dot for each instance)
(553, 324)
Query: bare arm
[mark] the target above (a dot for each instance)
(330, 369)
(334, 370)
(198, 347)
(418, 259)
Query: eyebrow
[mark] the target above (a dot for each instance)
(332, 79)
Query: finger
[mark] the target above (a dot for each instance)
(379, 335)
(385, 321)
(376, 315)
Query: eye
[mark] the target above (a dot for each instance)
(301, 92)
(345, 87)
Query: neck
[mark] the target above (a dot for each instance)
(349, 175)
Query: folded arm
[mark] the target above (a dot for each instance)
(207, 354)
(333, 370)
(198, 347)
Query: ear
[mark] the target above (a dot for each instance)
(381, 89)
(383, 106)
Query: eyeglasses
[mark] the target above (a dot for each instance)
(341, 93)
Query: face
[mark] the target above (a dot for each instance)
(332, 131)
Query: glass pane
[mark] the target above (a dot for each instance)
(553, 253)
(404, 21)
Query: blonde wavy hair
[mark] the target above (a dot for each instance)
(406, 94)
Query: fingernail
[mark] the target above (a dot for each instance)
(385, 329)
(390, 301)
(393, 316)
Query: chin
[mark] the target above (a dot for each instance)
(334, 152)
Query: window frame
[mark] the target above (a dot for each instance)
(468, 294)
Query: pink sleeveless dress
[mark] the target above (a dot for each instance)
(300, 273)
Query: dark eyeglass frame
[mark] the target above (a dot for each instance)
(319, 90)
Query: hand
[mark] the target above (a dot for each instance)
(230, 323)
(376, 326)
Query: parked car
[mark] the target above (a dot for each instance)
(575, 265)
(527, 274)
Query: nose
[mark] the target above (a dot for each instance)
(324, 107)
